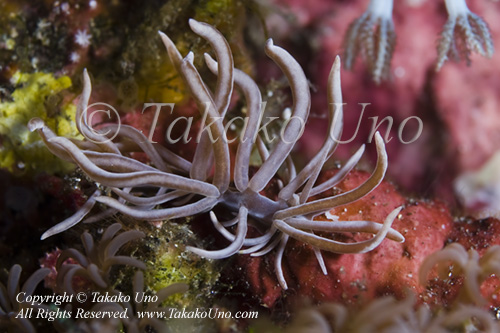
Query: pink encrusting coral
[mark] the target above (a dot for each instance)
(392, 269)
(353, 279)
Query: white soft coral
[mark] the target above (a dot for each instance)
(372, 34)
(463, 33)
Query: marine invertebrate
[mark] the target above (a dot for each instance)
(190, 188)
(96, 264)
(82, 38)
(10, 306)
(464, 32)
(372, 34)
(388, 314)
(474, 269)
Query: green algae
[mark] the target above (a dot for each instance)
(35, 95)
(168, 262)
